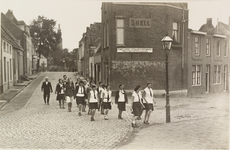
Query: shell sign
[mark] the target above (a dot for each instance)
(139, 23)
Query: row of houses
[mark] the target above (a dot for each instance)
(18, 58)
(125, 48)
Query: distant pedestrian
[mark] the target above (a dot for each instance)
(106, 96)
(148, 101)
(60, 91)
(81, 96)
(46, 89)
(69, 93)
(65, 78)
(100, 90)
(93, 101)
(136, 104)
(121, 99)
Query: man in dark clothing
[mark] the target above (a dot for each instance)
(46, 89)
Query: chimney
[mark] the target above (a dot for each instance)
(209, 21)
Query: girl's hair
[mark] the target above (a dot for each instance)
(59, 80)
(120, 85)
(137, 87)
(148, 84)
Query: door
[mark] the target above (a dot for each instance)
(8, 75)
(207, 78)
(225, 77)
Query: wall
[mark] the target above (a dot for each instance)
(140, 68)
(204, 60)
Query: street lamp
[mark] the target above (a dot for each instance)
(167, 43)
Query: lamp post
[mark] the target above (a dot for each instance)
(167, 43)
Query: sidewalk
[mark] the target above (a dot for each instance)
(15, 90)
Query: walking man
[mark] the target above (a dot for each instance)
(46, 89)
(148, 101)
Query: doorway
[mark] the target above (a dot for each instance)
(207, 78)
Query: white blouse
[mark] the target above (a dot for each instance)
(136, 96)
(93, 99)
(107, 94)
(148, 95)
(121, 96)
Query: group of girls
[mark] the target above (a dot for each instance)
(99, 98)
(84, 93)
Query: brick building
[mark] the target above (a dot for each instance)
(208, 59)
(89, 60)
(132, 52)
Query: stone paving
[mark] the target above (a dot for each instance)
(40, 126)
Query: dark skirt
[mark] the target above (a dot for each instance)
(148, 107)
(60, 97)
(107, 105)
(93, 105)
(80, 100)
(121, 106)
(137, 109)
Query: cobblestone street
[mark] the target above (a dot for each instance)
(46, 126)
(196, 123)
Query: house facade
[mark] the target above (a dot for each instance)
(132, 52)
(208, 59)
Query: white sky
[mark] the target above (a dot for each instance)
(75, 15)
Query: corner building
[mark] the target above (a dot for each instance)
(132, 52)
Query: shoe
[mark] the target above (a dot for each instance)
(47, 103)
(92, 119)
(102, 113)
(119, 117)
(133, 125)
(139, 118)
(145, 122)
(106, 118)
(79, 114)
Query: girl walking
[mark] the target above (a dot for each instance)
(148, 102)
(60, 91)
(136, 104)
(80, 96)
(93, 101)
(69, 94)
(106, 96)
(121, 99)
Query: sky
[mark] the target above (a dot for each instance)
(75, 15)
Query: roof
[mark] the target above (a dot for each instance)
(6, 35)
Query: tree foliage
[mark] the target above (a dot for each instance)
(44, 36)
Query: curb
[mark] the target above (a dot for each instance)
(19, 92)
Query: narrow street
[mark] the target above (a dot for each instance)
(197, 123)
(37, 125)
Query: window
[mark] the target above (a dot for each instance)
(217, 74)
(107, 34)
(4, 69)
(218, 48)
(197, 46)
(196, 75)
(175, 33)
(208, 47)
(104, 34)
(226, 49)
(4, 46)
(10, 49)
(7, 48)
(120, 31)
(10, 70)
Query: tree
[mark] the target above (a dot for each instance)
(44, 36)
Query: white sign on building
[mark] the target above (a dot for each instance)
(135, 50)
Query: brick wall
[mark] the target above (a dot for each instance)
(132, 69)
